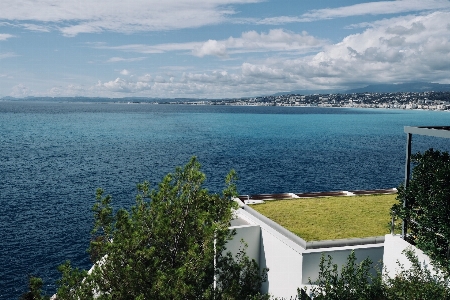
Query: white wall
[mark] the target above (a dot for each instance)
(394, 245)
(251, 234)
(311, 258)
(282, 257)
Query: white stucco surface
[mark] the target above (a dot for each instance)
(394, 246)
(251, 235)
(282, 257)
(311, 258)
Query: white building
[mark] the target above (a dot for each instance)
(292, 261)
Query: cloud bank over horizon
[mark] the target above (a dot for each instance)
(218, 49)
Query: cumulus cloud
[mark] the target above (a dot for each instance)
(393, 50)
(211, 47)
(123, 86)
(400, 49)
(252, 41)
(86, 16)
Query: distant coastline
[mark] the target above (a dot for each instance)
(438, 101)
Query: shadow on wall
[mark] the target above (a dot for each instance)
(263, 264)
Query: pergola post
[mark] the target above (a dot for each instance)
(407, 174)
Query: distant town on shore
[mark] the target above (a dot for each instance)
(413, 95)
(401, 100)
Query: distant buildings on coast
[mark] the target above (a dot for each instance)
(439, 100)
(401, 100)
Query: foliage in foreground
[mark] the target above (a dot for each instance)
(169, 246)
(428, 206)
(35, 290)
(355, 282)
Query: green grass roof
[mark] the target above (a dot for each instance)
(331, 218)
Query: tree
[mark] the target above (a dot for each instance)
(35, 290)
(428, 206)
(169, 246)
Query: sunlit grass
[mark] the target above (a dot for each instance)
(329, 218)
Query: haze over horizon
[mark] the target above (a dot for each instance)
(218, 48)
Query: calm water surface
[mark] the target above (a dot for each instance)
(54, 155)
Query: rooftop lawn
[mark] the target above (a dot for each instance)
(331, 218)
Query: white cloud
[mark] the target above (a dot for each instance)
(123, 86)
(125, 72)
(86, 16)
(7, 55)
(20, 91)
(5, 36)
(376, 8)
(393, 50)
(121, 59)
(361, 9)
(250, 41)
(211, 47)
(35, 27)
(400, 49)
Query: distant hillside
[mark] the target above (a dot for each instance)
(307, 92)
(402, 87)
(379, 88)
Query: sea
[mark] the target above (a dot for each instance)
(55, 154)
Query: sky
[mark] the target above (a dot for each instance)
(218, 48)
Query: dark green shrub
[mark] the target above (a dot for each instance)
(353, 281)
(416, 283)
(428, 205)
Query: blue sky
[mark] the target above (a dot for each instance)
(218, 48)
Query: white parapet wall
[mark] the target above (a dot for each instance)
(283, 258)
(251, 235)
(311, 258)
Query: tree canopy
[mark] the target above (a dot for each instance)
(170, 245)
(427, 207)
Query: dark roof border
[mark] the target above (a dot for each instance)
(436, 131)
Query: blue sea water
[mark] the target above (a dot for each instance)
(54, 155)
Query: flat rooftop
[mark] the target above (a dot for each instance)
(332, 217)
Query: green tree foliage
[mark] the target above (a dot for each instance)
(35, 290)
(428, 205)
(169, 246)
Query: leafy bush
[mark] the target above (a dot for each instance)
(417, 282)
(428, 205)
(354, 281)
